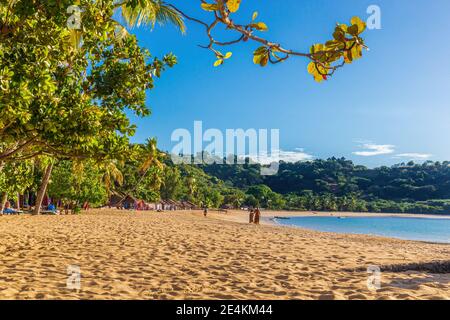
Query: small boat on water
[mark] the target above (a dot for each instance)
(283, 218)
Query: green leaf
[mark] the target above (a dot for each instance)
(317, 48)
(312, 68)
(353, 30)
(210, 6)
(343, 27)
(218, 63)
(361, 25)
(264, 60)
(260, 26)
(233, 5)
(261, 56)
(356, 52)
(228, 55)
(339, 35)
(260, 50)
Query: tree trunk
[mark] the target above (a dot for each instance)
(18, 202)
(4, 199)
(26, 199)
(43, 188)
(4, 194)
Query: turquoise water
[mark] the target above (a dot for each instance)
(423, 229)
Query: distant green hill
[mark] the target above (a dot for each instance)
(416, 182)
(339, 184)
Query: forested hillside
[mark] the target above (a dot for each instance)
(340, 185)
(405, 181)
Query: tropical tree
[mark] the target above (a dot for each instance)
(171, 186)
(150, 165)
(76, 182)
(211, 197)
(234, 198)
(191, 184)
(66, 102)
(149, 12)
(111, 175)
(15, 178)
(51, 102)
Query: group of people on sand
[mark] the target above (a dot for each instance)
(254, 216)
(8, 210)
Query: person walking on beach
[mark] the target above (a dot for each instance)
(205, 211)
(251, 215)
(257, 216)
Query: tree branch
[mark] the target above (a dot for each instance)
(326, 60)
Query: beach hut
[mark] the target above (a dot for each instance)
(147, 205)
(141, 205)
(150, 206)
(121, 201)
(170, 205)
(130, 202)
(166, 205)
(115, 201)
(187, 205)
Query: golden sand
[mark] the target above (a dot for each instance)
(182, 255)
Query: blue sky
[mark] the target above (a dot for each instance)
(389, 107)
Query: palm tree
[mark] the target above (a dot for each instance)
(111, 175)
(192, 186)
(152, 156)
(137, 13)
(151, 159)
(149, 12)
(146, 12)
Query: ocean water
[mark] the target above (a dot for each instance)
(423, 229)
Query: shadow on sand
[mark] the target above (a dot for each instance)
(435, 267)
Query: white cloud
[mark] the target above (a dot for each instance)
(414, 156)
(295, 156)
(281, 155)
(375, 150)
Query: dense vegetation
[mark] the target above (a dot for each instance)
(319, 185)
(338, 184)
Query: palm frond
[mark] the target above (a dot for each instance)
(111, 176)
(116, 174)
(150, 12)
(120, 33)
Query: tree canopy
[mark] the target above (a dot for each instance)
(64, 100)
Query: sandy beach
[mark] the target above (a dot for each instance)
(182, 255)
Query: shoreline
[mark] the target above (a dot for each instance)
(268, 218)
(353, 214)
